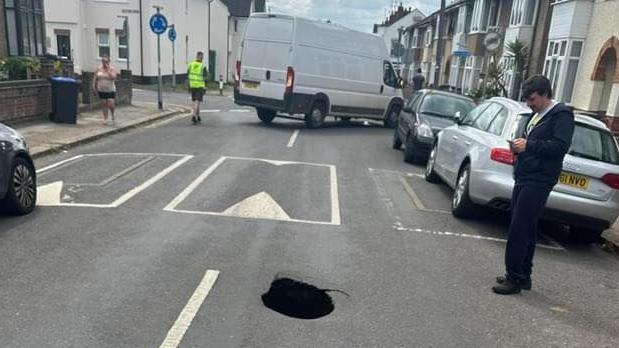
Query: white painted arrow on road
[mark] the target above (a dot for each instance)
(49, 194)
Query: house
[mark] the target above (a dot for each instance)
(19, 37)
(420, 52)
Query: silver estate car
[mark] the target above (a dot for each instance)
(18, 187)
(474, 159)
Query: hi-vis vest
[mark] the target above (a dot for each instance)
(196, 78)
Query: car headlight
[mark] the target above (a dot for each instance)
(425, 130)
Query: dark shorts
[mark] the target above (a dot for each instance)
(197, 94)
(107, 95)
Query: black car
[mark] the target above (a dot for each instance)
(427, 112)
(18, 185)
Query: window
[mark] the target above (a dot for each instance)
(496, 127)
(523, 12)
(390, 78)
(485, 119)
(594, 144)
(122, 45)
(445, 106)
(472, 115)
(576, 49)
(103, 42)
(25, 27)
(428, 37)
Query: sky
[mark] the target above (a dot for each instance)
(355, 14)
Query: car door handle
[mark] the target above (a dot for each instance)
(382, 88)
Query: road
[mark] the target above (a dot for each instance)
(170, 236)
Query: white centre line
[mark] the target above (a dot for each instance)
(240, 110)
(211, 111)
(293, 138)
(178, 330)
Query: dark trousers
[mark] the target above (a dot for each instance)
(527, 205)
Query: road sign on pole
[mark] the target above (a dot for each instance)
(158, 24)
(172, 37)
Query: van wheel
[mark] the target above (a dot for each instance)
(391, 120)
(21, 196)
(316, 117)
(461, 204)
(266, 115)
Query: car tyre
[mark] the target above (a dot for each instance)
(21, 196)
(316, 117)
(461, 204)
(391, 119)
(429, 174)
(266, 115)
(410, 155)
(397, 143)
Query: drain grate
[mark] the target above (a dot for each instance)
(296, 299)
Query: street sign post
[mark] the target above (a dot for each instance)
(172, 37)
(158, 25)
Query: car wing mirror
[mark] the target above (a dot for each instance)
(458, 118)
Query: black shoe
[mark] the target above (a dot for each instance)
(199, 119)
(524, 284)
(508, 287)
(194, 120)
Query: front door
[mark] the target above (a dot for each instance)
(64, 45)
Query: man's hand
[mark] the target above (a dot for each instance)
(519, 145)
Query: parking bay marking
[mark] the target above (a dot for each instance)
(49, 195)
(182, 323)
(261, 205)
(293, 138)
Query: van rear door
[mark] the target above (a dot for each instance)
(266, 52)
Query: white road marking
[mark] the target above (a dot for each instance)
(416, 201)
(239, 110)
(210, 111)
(177, 331)
(49, 191)
(398, 226)
(166, 121)
(58, 164)
(293, 138)
(49, 194)
(260, 205)
(335, 206)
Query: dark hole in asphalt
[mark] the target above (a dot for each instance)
(297, 299)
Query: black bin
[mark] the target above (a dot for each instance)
(65, 92)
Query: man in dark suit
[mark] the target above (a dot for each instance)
(547, 138)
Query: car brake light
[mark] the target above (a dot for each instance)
(502, 155)
(237, 73)
(611, 180)
(289, 80)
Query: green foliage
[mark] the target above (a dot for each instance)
(19, 68)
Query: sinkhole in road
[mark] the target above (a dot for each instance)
(297, 299)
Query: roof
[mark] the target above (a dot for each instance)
(242, 8)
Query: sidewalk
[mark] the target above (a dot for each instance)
(45, 137)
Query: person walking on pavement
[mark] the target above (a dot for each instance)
(221, 85)
(103, 85)
(418, 80)
(538, 164)
(197, 77)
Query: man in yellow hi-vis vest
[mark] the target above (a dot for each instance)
(197, 76)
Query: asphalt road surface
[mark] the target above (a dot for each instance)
(170, 236)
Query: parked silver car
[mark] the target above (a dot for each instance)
(474, 159)
(18, 187)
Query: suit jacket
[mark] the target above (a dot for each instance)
(547, 143)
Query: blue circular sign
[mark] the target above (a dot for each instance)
(172, 34)
(158, 23)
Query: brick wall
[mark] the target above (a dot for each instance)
(24, 99)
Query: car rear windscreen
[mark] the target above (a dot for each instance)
(595, 144)
(445, 106)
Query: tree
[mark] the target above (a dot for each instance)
(519, 52)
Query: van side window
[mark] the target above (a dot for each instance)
(389, 77)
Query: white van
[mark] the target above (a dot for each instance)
(294, 66)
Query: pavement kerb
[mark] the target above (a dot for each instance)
(55, 149)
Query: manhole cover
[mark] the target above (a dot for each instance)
(297, 299)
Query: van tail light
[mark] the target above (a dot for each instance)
(289, 80)
(611, 180)
(502, 155)
(237, 74)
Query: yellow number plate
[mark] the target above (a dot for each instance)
(577, 181)
(251, 84)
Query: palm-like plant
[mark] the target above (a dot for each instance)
(519, 51)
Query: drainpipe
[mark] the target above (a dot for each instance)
(439, 48)
(141, 45)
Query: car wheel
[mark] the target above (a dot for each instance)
(410, 155)
(429, 173)
(266, 115)
(316, 117)
(21, 196)
(461, 204)
(585, 235)
(391, 120)
(397, 143)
